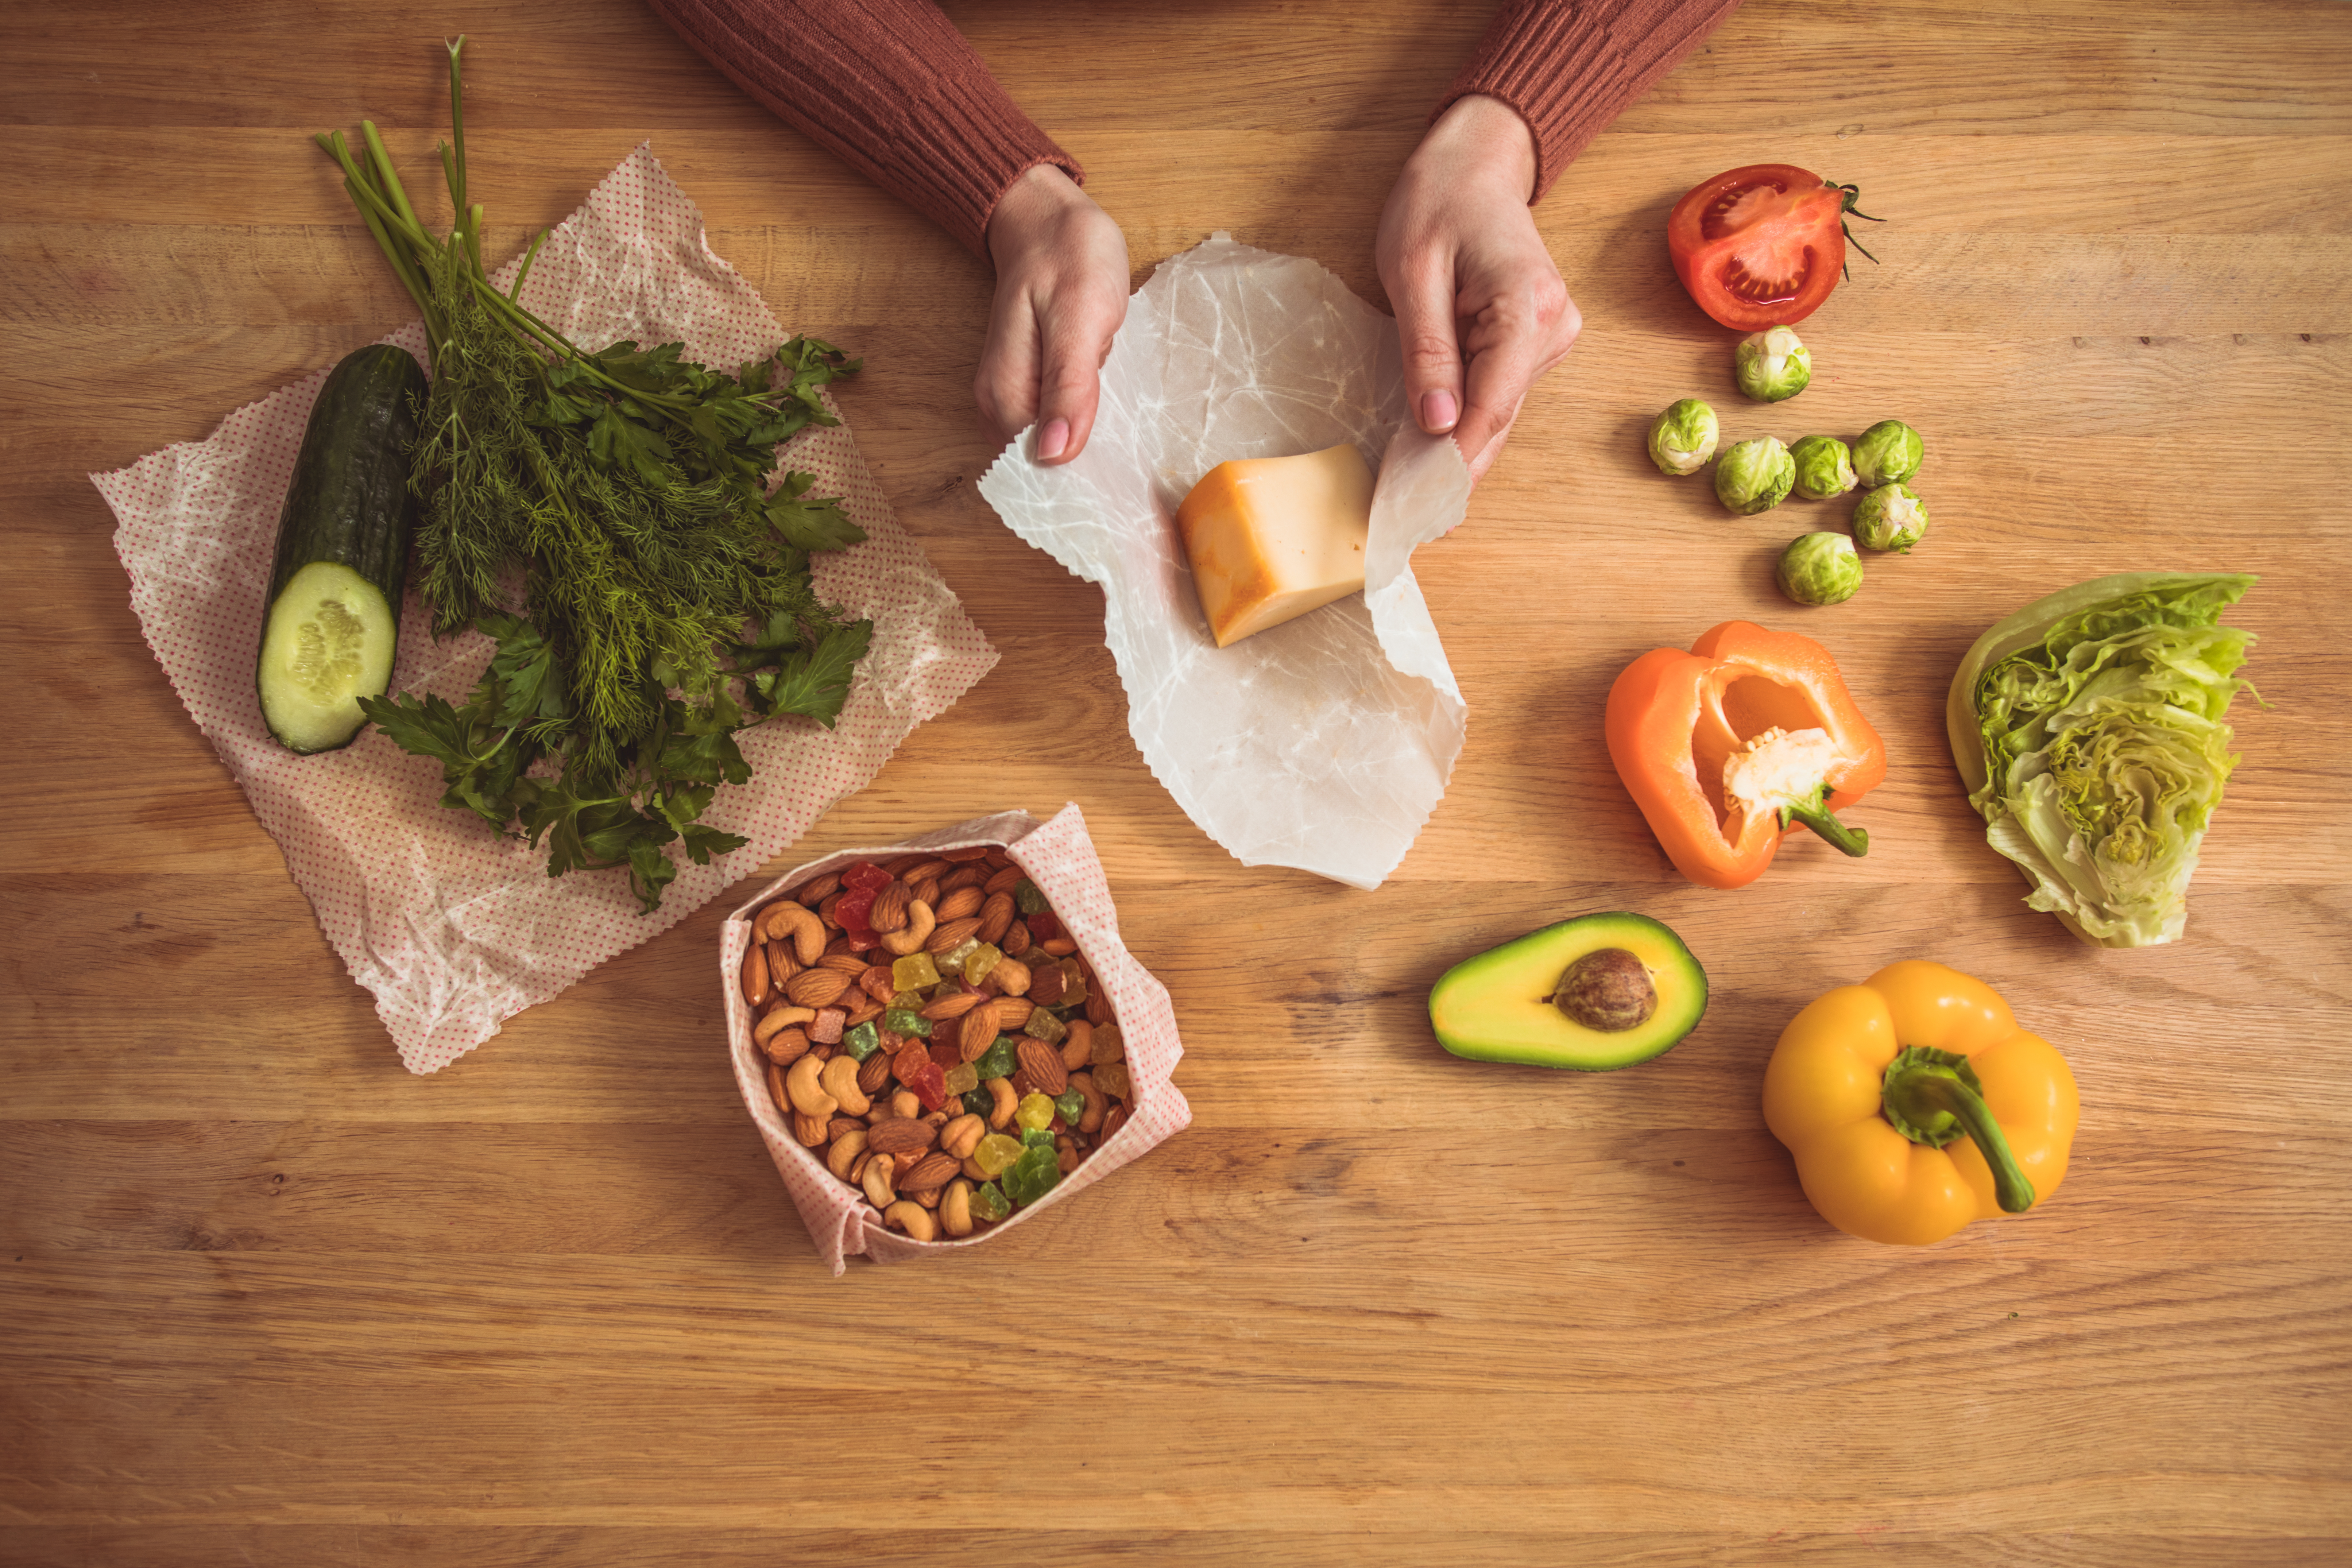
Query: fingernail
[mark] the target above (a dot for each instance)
(1438, 412)
(1053, 439)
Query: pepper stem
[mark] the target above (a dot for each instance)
(1815, 814)
(1933, 1097)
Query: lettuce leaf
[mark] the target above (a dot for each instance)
(2091, 730)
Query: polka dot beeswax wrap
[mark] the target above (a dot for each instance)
(454, 928)
(1060, 859)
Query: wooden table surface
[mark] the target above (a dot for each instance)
(269, 1298)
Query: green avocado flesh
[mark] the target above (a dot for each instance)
(1499, 1007)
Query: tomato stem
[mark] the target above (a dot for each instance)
(1852, 194)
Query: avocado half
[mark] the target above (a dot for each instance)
(1499, 1006)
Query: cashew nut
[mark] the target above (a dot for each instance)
(839, 1079)
(785, 917)
(841, 1158)
(780, 1018)
(955, 1209)
(913, 1219)
(903, 1103)
(920, 923)
(962, 1135)
(1078, 1045)
(880, 1180)
(1089, 1120)
(808, 1094)
(999, 1115)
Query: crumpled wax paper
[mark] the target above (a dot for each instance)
(1060, 859)
(1323, 744)
(454, 928)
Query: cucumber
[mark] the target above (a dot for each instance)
(343, 553)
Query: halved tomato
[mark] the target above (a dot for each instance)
(1761, 246)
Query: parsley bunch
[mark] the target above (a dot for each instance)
(665, 601)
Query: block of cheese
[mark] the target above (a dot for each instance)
(1272, 538)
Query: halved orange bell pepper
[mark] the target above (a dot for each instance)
(1723, 747)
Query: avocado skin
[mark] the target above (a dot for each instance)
(1498, 1007)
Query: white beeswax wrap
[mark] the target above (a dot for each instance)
(452, 928)
(1060, 859)
(1323, 744)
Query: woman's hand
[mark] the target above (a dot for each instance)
(1060, 293)
(1480, 308)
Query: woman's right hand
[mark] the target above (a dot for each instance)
(1060, 293)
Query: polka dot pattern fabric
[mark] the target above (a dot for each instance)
(454, 928)
(1060, 859)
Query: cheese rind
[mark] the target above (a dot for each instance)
(1272, 538)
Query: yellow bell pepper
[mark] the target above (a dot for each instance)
(1915, 1104)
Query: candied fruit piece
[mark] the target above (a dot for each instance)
(1043, 1025)
(994, 1152)
(1046, 926)
(1112, 1079)
(983, 958)
(863, 1040)
(825, 1027)
(914, 971)
(1076, 990)
(962, 1078)
(1028, 898)
(979, 1101)
(1070, 1104)
(929, 1084)
(1109, 1046)
(909, 1061)
(905, 1021)
(947, 1053)
(1032, 1176)
(988, 1202)
(952, 961)
(851, 912)
(866, 875)
(1033, 1111)
(998, 1060)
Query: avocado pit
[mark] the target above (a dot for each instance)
(1608, 990)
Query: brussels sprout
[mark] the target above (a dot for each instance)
(1891, 517)
(1683, 438)
(1819, 569)
(1888, 451)
(1772, 364)
(1754, 476)
(1825, 467)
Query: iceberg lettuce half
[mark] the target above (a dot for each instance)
(2090, 729)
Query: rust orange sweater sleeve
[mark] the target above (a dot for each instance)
(889, 88)
(1570, 67)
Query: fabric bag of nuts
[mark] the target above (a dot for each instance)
(938, 1038)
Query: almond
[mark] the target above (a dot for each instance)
(814, 893)
(781, 965)
(951, 935)
(935, 1169)
(1042, 1063)
(996, 917)
(755, 974)
(873, 1073)
(1016, 939)
(1050, 983)
(849, 964)
(817, 987)
(955, 1005)
(1012, 1012)
(998, 855)
(899, 865)
(956, 905)
(963, 877)
(965, 853)
(786, 1046)
(889, 911)
(979, 1032)
(898, 1134)
(927, 869)
(1004, 881)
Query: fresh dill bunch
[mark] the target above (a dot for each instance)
(665, 600)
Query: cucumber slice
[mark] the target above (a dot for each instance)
(329, 643)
